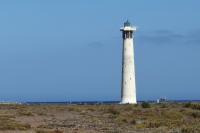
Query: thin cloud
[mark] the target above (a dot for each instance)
(160, 37)
(96, 44)
(193, 37)
(169, 37)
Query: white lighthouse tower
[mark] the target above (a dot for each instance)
(128, 90)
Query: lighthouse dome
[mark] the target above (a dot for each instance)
(127, 23)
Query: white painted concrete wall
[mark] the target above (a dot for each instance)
(128, 92)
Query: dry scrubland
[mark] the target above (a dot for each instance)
(148, 118)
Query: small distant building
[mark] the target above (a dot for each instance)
(161, 100)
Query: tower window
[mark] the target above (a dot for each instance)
(127, 34)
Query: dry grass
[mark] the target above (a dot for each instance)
(168, 117)
(7, 122)
(48, 131)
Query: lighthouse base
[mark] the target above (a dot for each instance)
(128, 101)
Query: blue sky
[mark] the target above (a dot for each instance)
(71, 50)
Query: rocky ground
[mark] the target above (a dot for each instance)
(145, 118)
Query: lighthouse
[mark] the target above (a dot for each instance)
(128, 85)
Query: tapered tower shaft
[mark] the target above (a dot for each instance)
(128, 85)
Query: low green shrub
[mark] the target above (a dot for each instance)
(25, 113)
(153, 124)
(195, 106)
(188, 130)
(113, 111)
(195, 114)
(133, 121)
(45, 131)
(145, 105)
(187, 105)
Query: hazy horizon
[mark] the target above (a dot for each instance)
(71, 50)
